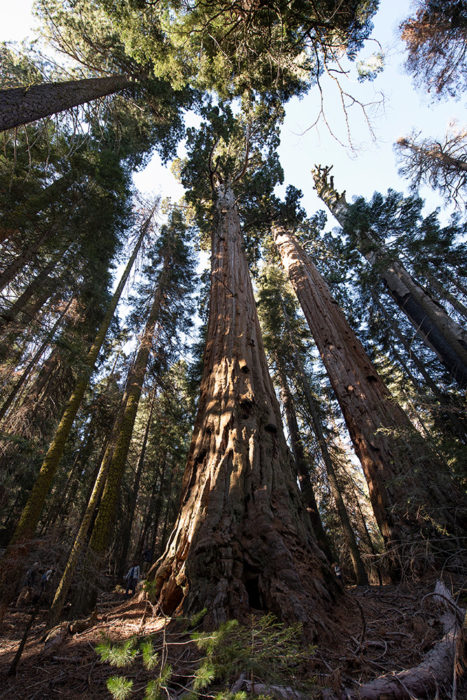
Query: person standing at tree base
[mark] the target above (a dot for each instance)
(132, 579)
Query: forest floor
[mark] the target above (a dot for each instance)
(384, 630)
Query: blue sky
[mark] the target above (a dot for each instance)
(372, 164)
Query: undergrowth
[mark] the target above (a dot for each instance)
(262, 651)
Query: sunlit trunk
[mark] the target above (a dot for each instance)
(411, 493)
(242, 540)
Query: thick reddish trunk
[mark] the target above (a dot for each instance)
(242, 540)
(409, 489)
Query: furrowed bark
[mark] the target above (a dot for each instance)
(242, 540)
(412, 495)
(438, 331)
(27, 104)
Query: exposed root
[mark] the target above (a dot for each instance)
(438, 670)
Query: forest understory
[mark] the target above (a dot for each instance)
(394, 633)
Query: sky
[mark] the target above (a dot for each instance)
(371, 165)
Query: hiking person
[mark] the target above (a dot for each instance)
(132, 579)
(337, 571)
(29, 592)
(46, 578)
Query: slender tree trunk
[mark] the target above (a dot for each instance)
(80, 540)
(29, 322)
(32, 363)
(242, 540)
(105, 520)
(396, 461)
(9, 315)
(439, 332)
(408, 348)
(446, 294)
(135, 489)
(456, 282)
(35, 504)
(303, 468)
(33, 205)
(368, 537)
(453, 415)
(156, 502)
(146, 523)
(349, 535)
(23, 105)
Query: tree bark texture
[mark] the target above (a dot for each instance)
(439, 332)
(409, 489)
(242, 540)
(26, 104)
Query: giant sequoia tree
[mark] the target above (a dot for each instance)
(242, 539)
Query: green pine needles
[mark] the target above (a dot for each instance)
(262, 651)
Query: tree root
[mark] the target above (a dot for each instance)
(439, 669)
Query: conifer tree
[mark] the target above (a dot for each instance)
(33, 508)
(407, 507)
(440, 332)
(242, 539)
(284, 333)
(168, 292)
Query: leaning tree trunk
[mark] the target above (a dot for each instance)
(26, 104)
(9, 273)
(8, 316)
(33, 509)
(438, 331)
(105, 520)
(14, 392)
(242, 540)
(32, 206)
(411, 494)
(80, 540)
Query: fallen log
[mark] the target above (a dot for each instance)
(438, 670)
